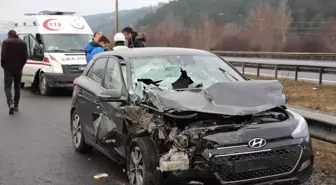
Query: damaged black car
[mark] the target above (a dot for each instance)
(176, 115)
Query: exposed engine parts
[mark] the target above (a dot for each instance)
(174, 160)
(181, 141)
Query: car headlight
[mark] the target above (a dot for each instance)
(57, 67)
(302, 130)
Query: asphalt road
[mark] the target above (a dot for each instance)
(36, 148)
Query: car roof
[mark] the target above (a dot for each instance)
(153, 51)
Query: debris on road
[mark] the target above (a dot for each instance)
(99, 176)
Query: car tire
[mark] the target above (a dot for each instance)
(45, 90)
(22, 85)
(77, 134)
(142, 162)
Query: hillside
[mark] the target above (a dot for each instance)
(190, 12)
(244, 25)
(106, 21)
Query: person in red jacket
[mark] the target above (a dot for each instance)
(14, 55)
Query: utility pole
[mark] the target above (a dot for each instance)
(116, 17)
(283, 18)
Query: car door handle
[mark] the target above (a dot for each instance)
(80, 92)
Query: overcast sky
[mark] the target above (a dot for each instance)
(13, 10)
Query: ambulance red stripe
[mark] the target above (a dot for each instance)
(38, 63)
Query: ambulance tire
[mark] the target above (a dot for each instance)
(22, 85)
(45, 90)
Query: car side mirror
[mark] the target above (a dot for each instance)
(110, 95)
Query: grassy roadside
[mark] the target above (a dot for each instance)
(318, 97)
(325, 160)
(307, 94)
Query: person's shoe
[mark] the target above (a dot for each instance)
(11, 109)
(16, 109)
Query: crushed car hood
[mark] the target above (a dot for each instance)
(228, 98)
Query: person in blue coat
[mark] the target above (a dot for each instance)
(93, 49)
(93, 43)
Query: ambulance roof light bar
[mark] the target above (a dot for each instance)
(46, 12)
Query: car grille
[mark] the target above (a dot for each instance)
(73, 69)
(261, 164)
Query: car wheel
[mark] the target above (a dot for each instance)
(77, 133)
(22, 85)
(45, 90)
(142, 163)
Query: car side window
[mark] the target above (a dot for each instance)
(113, 78)
(97, 70)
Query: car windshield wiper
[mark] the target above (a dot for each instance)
(81, 50)
(225, 72)
(56, 50)
(148, 81)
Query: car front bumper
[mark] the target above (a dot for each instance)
(254, 165)
(283, 161)
(55, 80)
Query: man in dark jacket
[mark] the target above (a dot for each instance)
(134, 39)
(14, 55)
(93, 44)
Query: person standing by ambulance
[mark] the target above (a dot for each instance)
(134, 39)
(14, 55)
(119, 41)
(102, 45)
(93, 44)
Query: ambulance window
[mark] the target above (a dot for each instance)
(38, 38)
(26, 39)
(34, 47)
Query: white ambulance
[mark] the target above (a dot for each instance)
(56, 48)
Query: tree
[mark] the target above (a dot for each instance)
(285, 18)
(207, 35)
(264, 26)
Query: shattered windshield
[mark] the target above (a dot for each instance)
(182, 71)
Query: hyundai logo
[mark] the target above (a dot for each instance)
(257, 143)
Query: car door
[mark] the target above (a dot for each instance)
(90, 86)
(110, 127)
(35, 58)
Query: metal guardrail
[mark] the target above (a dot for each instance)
(279, 55)
(286, 67)
(322, 126)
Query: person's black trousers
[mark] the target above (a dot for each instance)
(9, 78)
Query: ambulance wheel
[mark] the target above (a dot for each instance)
(45, 90)
(22, 85)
